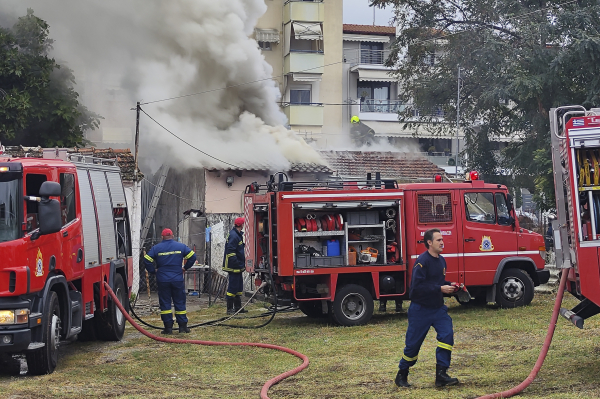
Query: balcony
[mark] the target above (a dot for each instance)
(304, 114)
(395, 106)
(307, 11)
(366, 57)
(304, 61)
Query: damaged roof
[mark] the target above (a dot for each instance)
(124, 157)
(400, 166)
(310, 167)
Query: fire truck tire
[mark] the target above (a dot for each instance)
(110, 326)
(9, 365)
(514, 289)
(312, 309)
(353, 306)
(44, 360)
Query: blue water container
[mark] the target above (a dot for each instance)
(333, 248)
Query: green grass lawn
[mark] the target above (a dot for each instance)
(494, 350)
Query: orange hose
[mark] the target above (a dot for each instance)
(266, 386)
(545, 347)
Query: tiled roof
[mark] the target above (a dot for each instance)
(294, 167)
(369, 29)
(124, 157)
(404, 167)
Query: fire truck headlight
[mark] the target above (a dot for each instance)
(22, 316)
(7, 317)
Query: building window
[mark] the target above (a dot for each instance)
(371, 53)
(374, 90)
(264, 46)
(300, 96)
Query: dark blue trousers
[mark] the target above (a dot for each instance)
(236, 284)
(420, 320)
(175, 291)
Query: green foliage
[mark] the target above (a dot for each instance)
(40, 106)
(519, 58)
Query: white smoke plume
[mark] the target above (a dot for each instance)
(153, 50)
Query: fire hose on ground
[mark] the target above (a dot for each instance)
(265, 389)
(538, 365)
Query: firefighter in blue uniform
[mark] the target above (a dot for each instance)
(427, 309)
(234, 264)
(169, 256)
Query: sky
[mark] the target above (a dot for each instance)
(358, 12)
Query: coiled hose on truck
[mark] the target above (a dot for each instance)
(265, 389)
(545, 347)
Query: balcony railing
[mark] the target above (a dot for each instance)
(368, 57)
(396, 106)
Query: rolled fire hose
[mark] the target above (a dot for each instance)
(545, 347)
(265, 389)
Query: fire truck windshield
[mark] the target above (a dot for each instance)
(10, 202)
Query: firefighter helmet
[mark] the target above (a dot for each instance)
(355, 119)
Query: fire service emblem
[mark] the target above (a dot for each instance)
(39, 264)
(486, 244)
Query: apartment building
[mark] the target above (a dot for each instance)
(375, 96)
(302, 41)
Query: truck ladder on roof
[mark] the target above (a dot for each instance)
(163, 172)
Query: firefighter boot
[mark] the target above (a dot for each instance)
(237, 305)
(402, 378)
(183, 328)
(382, 306)
(230, 300)
(399, 307)
(168, 328)
(442, 378)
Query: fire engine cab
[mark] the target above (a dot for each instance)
(332, 247)
(64, 230)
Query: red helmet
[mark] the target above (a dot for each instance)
(239, 222)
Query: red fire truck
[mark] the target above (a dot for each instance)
(64, 230)
(333, 247)
(575, 134)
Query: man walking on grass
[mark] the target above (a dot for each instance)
(427, 310)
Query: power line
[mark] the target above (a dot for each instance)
(195, 148)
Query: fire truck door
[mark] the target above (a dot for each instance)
(72, 254)
(43, 253)
(436, 210)
(488, 236)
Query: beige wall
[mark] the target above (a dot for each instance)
(331, 85)
(223, 199)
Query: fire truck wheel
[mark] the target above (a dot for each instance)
(111, 324)
(9, 365)
(312, 309)
(43, 361)
(353, 305)
(514, 289)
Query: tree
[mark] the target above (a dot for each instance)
(40, 106)
(519, 58)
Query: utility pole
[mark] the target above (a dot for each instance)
(137, 139)
(457, 121)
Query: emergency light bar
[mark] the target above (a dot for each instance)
(472, 175)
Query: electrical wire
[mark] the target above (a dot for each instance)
(195, 148)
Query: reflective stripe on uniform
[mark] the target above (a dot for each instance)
(410, 359)
(444, 346)
(180, 312)
(189, 255)
(148, 258)
(165, 311)
(230, 294)
(239, 293)
(168, 253)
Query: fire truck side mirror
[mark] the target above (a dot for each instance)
(509, 202)
(49, 216)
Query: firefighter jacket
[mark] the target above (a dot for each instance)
(234, 261)
(428, 276)
(169, 256)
